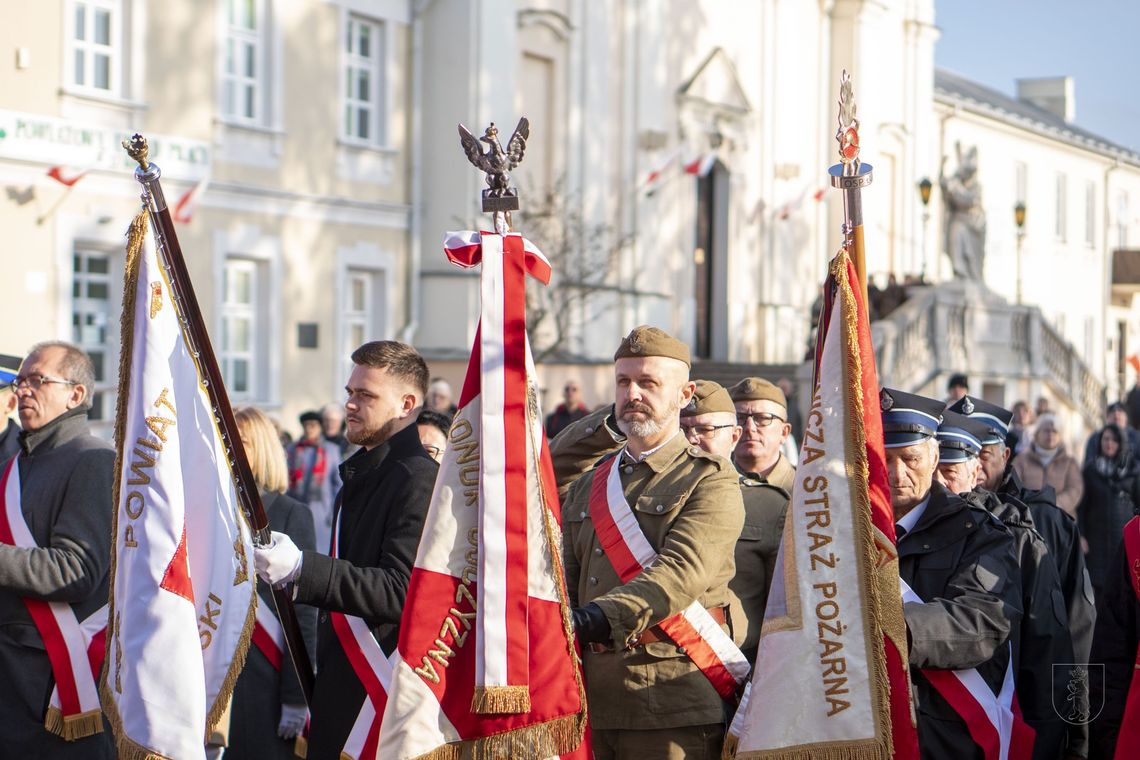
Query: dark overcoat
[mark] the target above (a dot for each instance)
(261, 689)
(66, 480)
(381, 508)
(960, 561)
(1114, 644)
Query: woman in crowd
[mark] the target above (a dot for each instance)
(1046, 463)
(1106, 506)
(268, 712)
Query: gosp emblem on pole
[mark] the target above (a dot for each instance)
(851, 175)
(499, 198)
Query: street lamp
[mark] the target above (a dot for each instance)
(1019, 220)
(924, 186)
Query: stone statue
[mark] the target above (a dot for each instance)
(965, 218)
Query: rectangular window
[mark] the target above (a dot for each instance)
(1061, 208)
(240, 327)
(1021, 181)
(243, 79)
(1122, 220)
(363, 86)
(94, 324)
(362, 311)
(95, 49)
(1090, 213)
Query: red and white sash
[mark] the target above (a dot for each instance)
(1129, 737)
(630, 552)
(74, 649)
(268, 636)
(374, 670)
(993, 720)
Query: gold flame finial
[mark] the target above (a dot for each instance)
(138, 149)
(848, 133)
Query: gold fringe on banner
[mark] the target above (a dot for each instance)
(500, 700)
(136, 236)
(73, 726)
(728, 749)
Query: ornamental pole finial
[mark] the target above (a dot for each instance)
(138, 149)
(848, 133)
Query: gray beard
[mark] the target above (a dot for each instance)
(644, 428)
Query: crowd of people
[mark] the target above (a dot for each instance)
(1004, 536)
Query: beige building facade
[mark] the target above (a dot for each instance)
(290, 118)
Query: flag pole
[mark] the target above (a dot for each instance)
(194, 328)
(851, 175)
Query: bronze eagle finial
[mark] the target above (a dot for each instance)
(496, 163)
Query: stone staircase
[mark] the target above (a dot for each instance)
(1010, 350)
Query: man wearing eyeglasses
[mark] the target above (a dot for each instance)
(762, 413)
(66, 479)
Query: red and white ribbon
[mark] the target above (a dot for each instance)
(75, 650)
(268, 636)
(630, 552)
(374, 670)
(1129, 737)
(989, 717)
(502, 639)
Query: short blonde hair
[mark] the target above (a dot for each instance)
(263, 449)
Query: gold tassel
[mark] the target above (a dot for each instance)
(555, 737)
(731, 743)
(73, 727)
(301, 746)
(500, 700)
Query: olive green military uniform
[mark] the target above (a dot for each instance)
(581, 445)
(688, 505)
(765, 505)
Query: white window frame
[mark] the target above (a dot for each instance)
(361, 260)
(115, 49)
(82, 304)
(231, 85)
(233, 312)
(1122, 219)
(246, 242)
(1090, 213)
(1062, 206)
(376, 66)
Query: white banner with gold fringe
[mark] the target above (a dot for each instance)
(182, 594)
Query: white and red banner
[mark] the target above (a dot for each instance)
(831, 677)
(182, 595)
(486, 655)
(187, 204)
(74, 648)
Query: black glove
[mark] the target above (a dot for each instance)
(590, 624)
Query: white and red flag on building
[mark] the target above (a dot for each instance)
(701, 165)
(486, 656)
(182, 602)
(183, 211)
(831, 677)
(66, 176)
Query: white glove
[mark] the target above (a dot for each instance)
(280, 562)
(293, 719)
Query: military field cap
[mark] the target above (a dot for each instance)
(708, 397)
(310, 416)
(995, 417)
(959, 437)
(757, 389)
(652, 341)
(908, 418)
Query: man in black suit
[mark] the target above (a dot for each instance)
(381, 510)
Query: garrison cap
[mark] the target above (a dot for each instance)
(995, 417)
(908, 418)
(652, 341)
(707, 398)
(757, 389)
(9, 367)
(310, 416)
(959, 437)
